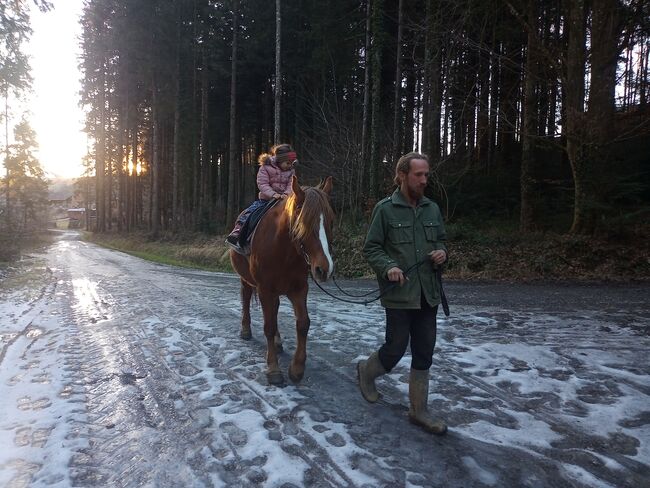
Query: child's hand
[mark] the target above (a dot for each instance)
(277, 196)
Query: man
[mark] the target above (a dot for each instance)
(406, 228)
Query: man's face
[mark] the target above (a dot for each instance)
(416, 179)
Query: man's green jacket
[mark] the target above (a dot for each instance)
(400, 235)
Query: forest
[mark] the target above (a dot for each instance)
(531, 112)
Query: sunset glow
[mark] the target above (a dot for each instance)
(54, 103)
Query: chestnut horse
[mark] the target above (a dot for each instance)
(290, 239)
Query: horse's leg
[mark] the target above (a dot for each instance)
(278, 341)
(270, 304)
(297, 366)
(246, 294)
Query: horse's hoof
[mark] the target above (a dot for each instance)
(296, 378)
(275, 378)
(246, 335)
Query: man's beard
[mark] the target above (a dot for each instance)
(416, 193)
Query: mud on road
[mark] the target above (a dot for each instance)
(116, 371)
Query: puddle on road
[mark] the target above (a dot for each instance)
(88, 301)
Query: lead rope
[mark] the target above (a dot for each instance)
(365, 302)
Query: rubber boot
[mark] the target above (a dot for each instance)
(419, 395)
(367, 371)
(233, 237)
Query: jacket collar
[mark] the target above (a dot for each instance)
(398, 199)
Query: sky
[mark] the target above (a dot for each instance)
(54, 104)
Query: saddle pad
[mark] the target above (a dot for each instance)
(248, 230)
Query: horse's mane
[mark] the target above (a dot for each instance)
(306, 217)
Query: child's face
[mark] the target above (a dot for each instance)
(286, 165)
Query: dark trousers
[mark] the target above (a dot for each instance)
(251, 208)
(417, 324)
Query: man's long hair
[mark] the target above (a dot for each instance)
(404, 165)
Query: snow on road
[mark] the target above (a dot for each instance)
(119, 372)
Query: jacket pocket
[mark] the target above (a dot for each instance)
(431, 231)
(400, 232)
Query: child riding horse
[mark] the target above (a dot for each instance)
(291, 241)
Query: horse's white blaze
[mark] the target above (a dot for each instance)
(323, 242)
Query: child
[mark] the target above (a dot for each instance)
(273, 181)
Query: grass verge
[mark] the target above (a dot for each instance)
(189, 250)
(478, 252)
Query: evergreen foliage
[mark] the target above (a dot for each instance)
(520, 114)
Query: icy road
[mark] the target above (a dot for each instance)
(118, 372)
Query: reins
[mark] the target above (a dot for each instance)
(365, 302)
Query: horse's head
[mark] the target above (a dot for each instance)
(312, 219)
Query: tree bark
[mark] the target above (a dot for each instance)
(155, 167)
(574, 95)
(177, 127)
(204, 153)
(366, 95)
(376, 118)
(527, 181)
(278, 73)
(431, 89)
(397, 100)
(7, 172)
(100, 154)
(233, 165)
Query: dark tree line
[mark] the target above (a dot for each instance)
(520, 104)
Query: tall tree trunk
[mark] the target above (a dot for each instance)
(574, 95)
(204, 154)
(177, 127)
(100, 155)
(233, 166)
(509, 97)
(553, 84)
(495, 97)
(134, 175)
(365, 163)
(397, 99)
(8, 202)
(600, 176)
(527, 215)
(156, 166)
(432, 88)
(120, 170)
(483, 117)
(376, 118)
(278, 73)
(109, 182)
(643, 73)
(409, 110)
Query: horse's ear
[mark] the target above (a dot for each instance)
(327, 186)
(300, 194)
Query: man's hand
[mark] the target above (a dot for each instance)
(396, 274)
(438, 256)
